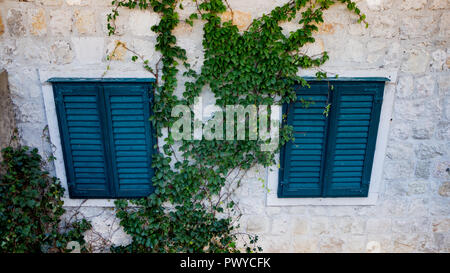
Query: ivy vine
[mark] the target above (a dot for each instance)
(31, 207)
(193, 207)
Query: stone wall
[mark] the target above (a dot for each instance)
(7, 120)
(411, 37)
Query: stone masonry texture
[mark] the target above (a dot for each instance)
(411, 37)
(7, 119)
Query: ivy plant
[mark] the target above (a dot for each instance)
(193, 207)
(31, 207)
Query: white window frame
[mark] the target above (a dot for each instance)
(53, 127)
(380, 151)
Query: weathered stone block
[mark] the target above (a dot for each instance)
(397, 170)
(142, 21)
(375, 5)
(357, 29)
(373, 247)
(306, 244)
(400, 130)
(117, 50)
(423, 129)
(444, 84)
(121, 23)
(342, 224)
(439, 60)
(412, 4)
(80, 2)
(413, 110)
(16, 22)
(442, 170)
(85, 21)
(275, 244)
(379, 243)
(257, 223)
(417, 187)
(299, 210)
(417, 62)
(33, 51)
(443, 130)
(326, 28)
(354, 244)
(384, 26)
(401, 226)
(2, 26)
(376, 45)
(61, 22)
(38, 22)
(403, 243)
(50, 2)
(441, 225)
(426, 151)
(417, 26)
(425, 86)
(439, 4)
(400, 150)
(241, 19)
(88, 50)
(447, 107)
(358, 226)
(422, 169)
(405, 87)
(315, 48)
(394, 55)
(281, 224)
(444, 189)
(355, 50)
(378, 225)
(444, 25)
(7, 118)
(61, 52)
(331, 245)
(319, 225)
(300, 226)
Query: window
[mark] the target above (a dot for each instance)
(332, 155)
(106, 136)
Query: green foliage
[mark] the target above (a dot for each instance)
(31, 206)
(192, 209)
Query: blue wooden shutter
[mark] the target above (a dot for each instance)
(79, 107)
(131, 146)
(352, 137)
(302, 161)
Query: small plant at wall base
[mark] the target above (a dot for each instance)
(192, 209)
(31, 207)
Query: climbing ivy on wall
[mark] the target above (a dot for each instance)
(31, 207)
(192, 208)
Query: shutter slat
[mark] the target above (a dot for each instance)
(129, 110)
(80, 126)
(331, 157)
(106, 137)
(352, 140)
(303, 157)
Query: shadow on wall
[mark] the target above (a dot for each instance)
(7, 118)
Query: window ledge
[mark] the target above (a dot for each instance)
(104, 203)
(274, 201)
